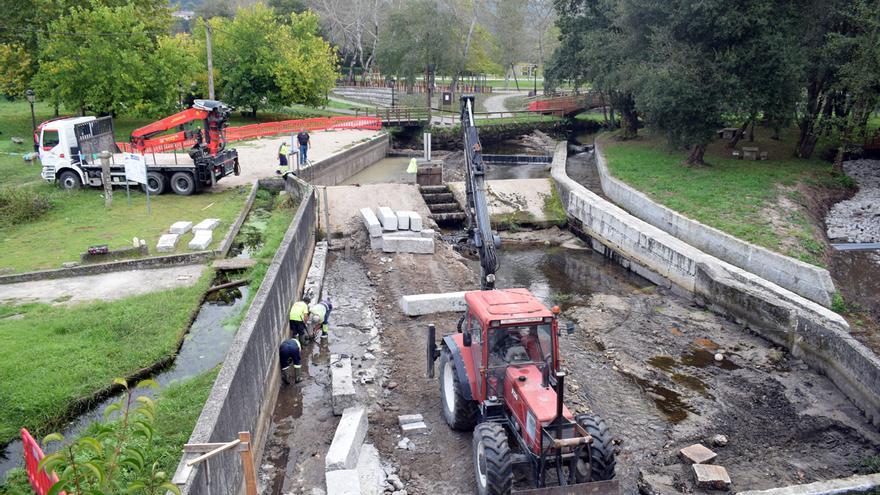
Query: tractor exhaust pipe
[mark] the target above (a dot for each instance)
(560, 388)
(431, 350)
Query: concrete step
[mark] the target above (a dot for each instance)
(433, 189)
(448, 217)
(435, 198)
(444, 207)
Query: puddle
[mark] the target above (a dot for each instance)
(669, 402)
(701, 358)
(665, 363)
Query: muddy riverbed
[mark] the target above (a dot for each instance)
(642, 357)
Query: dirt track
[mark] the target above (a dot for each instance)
(641, 357)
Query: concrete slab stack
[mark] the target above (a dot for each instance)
(397, 232)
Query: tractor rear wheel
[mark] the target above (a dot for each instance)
(493, 466)
(601, 451)
(460, 413)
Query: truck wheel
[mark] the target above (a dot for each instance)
(493, 467)
(460, 413)
(68, 180)
(155, 183)
(601, 455)
(183, 183)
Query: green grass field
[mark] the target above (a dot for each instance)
(739, 197)
(52, 356)
(178, 407)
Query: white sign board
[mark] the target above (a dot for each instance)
(135, 168)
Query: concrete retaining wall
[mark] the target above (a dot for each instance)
(383, 97)
(804, 279)
(810, 331)
(243, 395)
(336, 169)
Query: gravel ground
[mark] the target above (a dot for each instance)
(858, 219)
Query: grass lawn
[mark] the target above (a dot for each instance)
(178, 407)
(78, 220)
(756, 201)
(51, 356)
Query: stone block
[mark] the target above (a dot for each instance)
(201, 240)
(402, 220)
(207, 224)
(424, 304)
(370, 472)
(376, 243)
(413, 427)
(697, 454)
(167, 243)
(405, 419)
(418, 245)
(342, 385)
(387, 218)
(348, 439)
(711, 477)
(371, 222)
(415, 221)
(181, 227)
(343, 482)
(427, 233)
(315, 275)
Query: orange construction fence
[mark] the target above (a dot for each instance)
(273, 129)
(41, 481)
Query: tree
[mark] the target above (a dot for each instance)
(283, 8)
(508, 27)
(353, 26)
(417, 37)
(18, 69)
(245, 58)
(306, 71)
(104, 60)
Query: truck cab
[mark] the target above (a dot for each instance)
(59, 150)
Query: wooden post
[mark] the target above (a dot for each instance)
(247, 461)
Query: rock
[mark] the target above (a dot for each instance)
(697, 454)
(69, 264)
(391, 385)
(405, 419)
(402, 444)
(369, 356)
(719, 357)
(17, 140)
(711, 477)
(719, 440)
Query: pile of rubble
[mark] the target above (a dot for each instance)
(397, 231)
(858, 219)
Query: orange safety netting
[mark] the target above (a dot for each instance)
(272, 129)
(41, 481)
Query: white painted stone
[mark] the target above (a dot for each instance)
(418, 245)
(402, 220)
(181, 227)
(348, 439)
(369, 468)
(376, 243)
(371, 222)
(201, 240)
(207, 224)
(413, 427)
(424, 304)
(167, 243)
(427, 233)
(342, 385)
(387, 218)
(415, 221)
(343, 482)
(405, 419)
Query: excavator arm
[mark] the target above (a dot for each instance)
(479, 225)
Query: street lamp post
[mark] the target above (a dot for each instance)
(29, 94)
(535, 75)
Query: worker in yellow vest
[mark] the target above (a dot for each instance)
(299, 315)
(283, 151)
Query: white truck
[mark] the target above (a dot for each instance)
(69, 148)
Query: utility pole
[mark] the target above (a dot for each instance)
(210, 62)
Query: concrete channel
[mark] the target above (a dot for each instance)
(643, 357)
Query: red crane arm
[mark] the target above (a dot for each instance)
(171, 122)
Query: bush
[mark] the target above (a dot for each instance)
(22, 205)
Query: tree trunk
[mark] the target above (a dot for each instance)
(738, 134)
(515, 80)
(629, 120)
(695, 158)
(752, 132)
(467, 47)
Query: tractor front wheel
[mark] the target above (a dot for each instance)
(597, 464)
(460, 413)
(493, 466)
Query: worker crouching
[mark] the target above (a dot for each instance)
(321, 317)
(290, 355)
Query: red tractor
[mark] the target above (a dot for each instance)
(500, 375)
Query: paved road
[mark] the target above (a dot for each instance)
(496, 102)
(106, 286)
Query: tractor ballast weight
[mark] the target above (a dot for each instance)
(500, 376)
